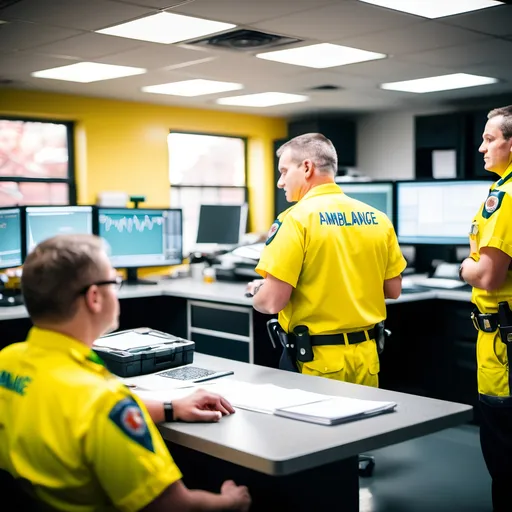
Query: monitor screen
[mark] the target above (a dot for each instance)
(43, 222)
(439, 211)
(221, 224)
(10, 238)
(142, 237)
(376, 194)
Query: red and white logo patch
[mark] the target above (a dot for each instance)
(133, 421)
(273, 229)
(491, 204)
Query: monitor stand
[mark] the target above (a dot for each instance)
(131, 278)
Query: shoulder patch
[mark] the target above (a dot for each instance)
(273, 231)
(127, 415)
(492, 203)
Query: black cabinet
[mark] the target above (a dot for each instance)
(442, 132)
(341, 131)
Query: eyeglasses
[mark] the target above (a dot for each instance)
(117, 282)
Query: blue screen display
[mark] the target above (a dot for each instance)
(142, 237)
(10, 238)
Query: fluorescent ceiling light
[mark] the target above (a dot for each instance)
(439, 83)
(86, 72)
(323, 55)
(166, 28)
(263, 99)
(192, 87)
(434, 8)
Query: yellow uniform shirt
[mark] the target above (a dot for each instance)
(492, 227)
(74, 431)
(336, 252)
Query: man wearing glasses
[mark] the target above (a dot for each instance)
(70, 431)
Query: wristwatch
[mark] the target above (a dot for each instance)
(168, 412)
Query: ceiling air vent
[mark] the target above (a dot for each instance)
(245, 40)
(327, 87)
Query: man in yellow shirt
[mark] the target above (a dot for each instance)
(329, 263)
(488, 271)
(70, 432)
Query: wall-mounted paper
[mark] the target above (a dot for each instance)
(444, 163)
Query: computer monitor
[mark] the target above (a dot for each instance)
(10, 238)
(222, 224)
(43, 222)
(379, 194)
(142, 237)
(438, 212)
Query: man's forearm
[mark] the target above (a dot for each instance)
(472, 274)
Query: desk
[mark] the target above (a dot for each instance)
(282, 460)
(432, 351)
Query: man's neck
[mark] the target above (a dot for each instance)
(81, 333)
(316, 182)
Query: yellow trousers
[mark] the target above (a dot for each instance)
(357, 363)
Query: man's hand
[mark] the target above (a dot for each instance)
(253, 287)
(201, 406)
(237, 496)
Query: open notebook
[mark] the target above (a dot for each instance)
(290, 403)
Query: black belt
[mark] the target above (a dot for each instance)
(487, 322)
(339, 339)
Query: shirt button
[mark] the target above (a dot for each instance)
(325, 369)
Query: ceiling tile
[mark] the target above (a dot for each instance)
(247, 11)
(17, 64)
(390, 70)
(495, 21)
(152, 4)
(78, 14)
(417, 37)
(336, 21)
(153, 56)
(484, 51)
(19, 35)
(88, 46)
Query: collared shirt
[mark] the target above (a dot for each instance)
(492, 227)
(74, 431)
(336, 252)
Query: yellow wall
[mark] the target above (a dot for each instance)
(123, 145)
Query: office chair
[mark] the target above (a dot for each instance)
(14, 497)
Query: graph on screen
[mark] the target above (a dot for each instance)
(142, 237)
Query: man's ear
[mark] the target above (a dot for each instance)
(308, 168)
(93, 299)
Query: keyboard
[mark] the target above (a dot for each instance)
(439, 282)
(192, 373)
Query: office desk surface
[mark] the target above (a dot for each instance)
(281, 446)
(225, 292)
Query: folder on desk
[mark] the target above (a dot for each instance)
(336, 410)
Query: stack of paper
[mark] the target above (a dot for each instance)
(335, 410)
(290, 403)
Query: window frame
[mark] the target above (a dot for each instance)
(179, 187)
(70, 181)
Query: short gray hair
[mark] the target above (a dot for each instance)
(506, 123)
(314, 146)
(56, 271)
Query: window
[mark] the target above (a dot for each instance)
(36, 164)
(205, 169)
